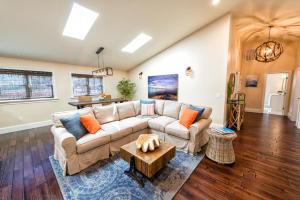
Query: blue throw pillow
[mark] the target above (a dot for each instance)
(74, 126)
(147, 101)
(200, 111)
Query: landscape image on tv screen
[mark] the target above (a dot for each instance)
(163, 87)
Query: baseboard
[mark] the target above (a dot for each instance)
(293, 119)
(254, 110)
(22, 127)
(275, 113)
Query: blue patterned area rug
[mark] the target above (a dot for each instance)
(106, 180)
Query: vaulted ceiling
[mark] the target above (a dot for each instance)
(254, 17)
(33, 28)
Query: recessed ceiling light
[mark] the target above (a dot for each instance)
(215, 2)
(136, 43)
(80, 22)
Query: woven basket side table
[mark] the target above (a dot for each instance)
(219, 148)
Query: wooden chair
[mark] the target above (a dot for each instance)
(84, 99)
(107, 97)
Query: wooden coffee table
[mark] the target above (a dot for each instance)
(147, 163)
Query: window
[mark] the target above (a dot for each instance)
(21, 84)
(86, 85)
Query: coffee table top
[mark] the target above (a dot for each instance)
(150, 156)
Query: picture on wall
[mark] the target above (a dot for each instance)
(163, 87)
(251, 81)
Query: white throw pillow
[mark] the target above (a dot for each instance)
(147, 109)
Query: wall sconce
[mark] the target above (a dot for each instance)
(140, 75)
(189, 71)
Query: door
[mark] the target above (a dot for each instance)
(293, 111)
(275, 93)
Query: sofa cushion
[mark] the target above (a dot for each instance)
(125, 110)
(147, 101)
(200, 111)
(147, 118)
(58, 115)
(137, 107)
(90, 123)
(105, 114)
(205, 115)
(171, 109)
(160, 123)
(183, 106)
(91, 141)
(159, 106)
(117, 130)
(178, 130)
(73, 125)
(188, 117)
(136, 123)
(147, 109)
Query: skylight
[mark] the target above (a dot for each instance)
(136, 43)
(80, 22)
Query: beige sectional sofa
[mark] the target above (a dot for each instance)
(121, 124)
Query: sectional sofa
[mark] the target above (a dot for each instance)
(121, 124)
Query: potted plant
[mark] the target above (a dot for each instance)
(126, 89)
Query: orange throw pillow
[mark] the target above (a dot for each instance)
(188, 117)
(90, 123)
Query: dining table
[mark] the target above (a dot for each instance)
(82, 104)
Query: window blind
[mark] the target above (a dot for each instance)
(86, 85)
(23, 84)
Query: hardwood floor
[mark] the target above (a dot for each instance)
(267, 165)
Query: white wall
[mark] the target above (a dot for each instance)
(36, 112)
(206, 51)
(110, 83)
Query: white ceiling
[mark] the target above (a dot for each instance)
(33, 28)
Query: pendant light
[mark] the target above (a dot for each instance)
(102, 71)
(268, 51)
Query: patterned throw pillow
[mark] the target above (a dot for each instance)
(147, 109)
(200, 111)
(147, 101)
(74, 126)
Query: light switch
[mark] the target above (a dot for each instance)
(218, 95)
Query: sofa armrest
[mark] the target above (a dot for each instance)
(197, 131)
(64, 141)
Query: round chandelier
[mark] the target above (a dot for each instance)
(268, 51)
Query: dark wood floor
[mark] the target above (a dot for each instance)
(267, 165)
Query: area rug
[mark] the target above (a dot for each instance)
(106, 180)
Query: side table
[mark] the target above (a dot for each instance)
(219, 148)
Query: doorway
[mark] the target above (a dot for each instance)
(275, 93)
